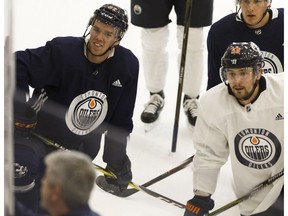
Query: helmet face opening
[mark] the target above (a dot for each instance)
(114, 16)
(241, 55)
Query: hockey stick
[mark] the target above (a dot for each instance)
(181, 73)
(131, 191)
(108, 173)
(184, 164)
(48, 142)
(247, 196)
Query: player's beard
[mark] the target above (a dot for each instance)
(242, 94)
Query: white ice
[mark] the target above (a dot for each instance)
(35, 22)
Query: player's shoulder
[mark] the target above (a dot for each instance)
(123, 50)
(223, 26)
(216, 94)
(274, 79)
(277, 14)
(67, 41)
(230, 18)
(279, 11)
(216, 103)
(275, 86)
(274, 94)
(125, 62)
(125, 54)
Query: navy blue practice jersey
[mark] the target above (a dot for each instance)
(79, 100)
(269, 38)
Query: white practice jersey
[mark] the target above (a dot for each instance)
(252, 135)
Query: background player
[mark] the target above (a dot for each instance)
(245, 124)
(153, 17)
(255, 21)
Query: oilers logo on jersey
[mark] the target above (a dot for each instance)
(257, 148)
(86, 112)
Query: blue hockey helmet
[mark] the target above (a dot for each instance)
(112, 15)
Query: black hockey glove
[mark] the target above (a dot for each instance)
(25, 119)
(198, 206)
(123, 174)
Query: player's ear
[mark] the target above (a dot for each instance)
(259, 74)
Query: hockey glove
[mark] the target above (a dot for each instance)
(123, 174)
(198, 206)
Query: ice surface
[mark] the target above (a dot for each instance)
(35, 22)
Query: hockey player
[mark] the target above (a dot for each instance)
(153, 17)
(241, 118)
(28, 156)
(85, 87)
(255, 21)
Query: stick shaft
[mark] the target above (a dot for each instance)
(181, 73)
(105, 172)
(184, 164)
(247, 196)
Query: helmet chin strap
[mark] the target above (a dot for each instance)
(251, 92)
(247, 96)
